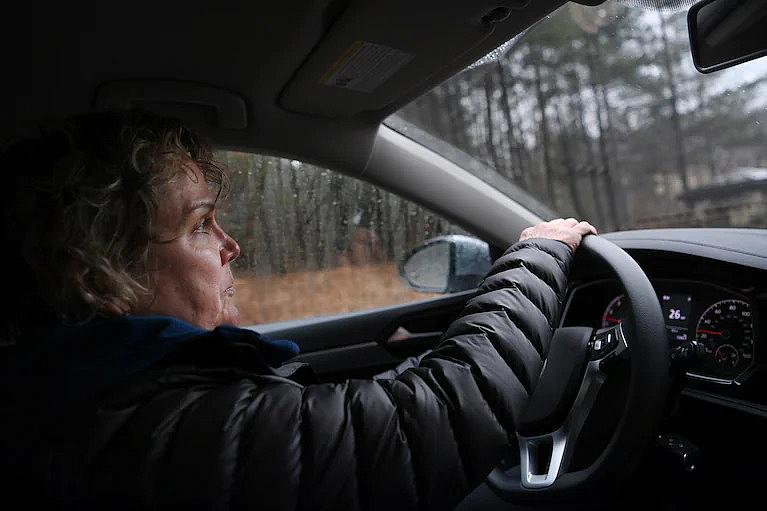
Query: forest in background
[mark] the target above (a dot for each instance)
(291, 216)
(315, 242)
(596, 113)
(600, 114)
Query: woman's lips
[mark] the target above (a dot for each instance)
(229, 291)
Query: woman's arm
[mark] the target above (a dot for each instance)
(424, 439)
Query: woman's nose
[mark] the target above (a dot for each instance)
(230, 250)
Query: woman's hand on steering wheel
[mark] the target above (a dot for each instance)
(569, 231)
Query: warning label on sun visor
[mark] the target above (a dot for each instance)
(365, 66)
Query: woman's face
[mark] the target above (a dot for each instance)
(189, 264)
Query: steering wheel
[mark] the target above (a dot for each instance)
(574, 371)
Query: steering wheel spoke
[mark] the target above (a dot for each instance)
(558, 446)
(544, 457)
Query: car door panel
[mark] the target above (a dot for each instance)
(362, 343)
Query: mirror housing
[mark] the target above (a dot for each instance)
(446, 264)
(724, 33)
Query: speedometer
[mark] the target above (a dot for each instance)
(726, 330)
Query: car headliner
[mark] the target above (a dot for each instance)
(245, 74)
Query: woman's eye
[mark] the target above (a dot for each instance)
(201, 227)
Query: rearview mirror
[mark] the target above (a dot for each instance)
(724, 33)
(446, 264)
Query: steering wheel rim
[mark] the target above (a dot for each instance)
(648, 386)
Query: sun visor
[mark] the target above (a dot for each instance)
(378, 54)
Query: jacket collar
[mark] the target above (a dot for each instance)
(75, 363)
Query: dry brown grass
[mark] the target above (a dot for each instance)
(318, 293)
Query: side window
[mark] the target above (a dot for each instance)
(315, 242)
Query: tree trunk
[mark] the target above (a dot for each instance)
(391, 224)
(299, 232)
(280, 236)
(263, 218)
(702, 118)
(439, 118)
(590, 167)
(676, 121)
(458, 136)
(404, 214)
(544, 129)
(517, 170)
(594, 76)
(569, 164)
(490, 141)
(339, 216)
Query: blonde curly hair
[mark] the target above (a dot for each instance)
(85, 206)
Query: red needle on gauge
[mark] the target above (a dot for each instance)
(612, 319)
(708, 332)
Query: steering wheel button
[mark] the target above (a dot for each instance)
(607, 341)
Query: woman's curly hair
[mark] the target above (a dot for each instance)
(84, 208)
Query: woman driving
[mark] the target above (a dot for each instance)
(128, 385)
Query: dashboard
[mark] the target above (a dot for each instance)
(719, 323)
(712, 288)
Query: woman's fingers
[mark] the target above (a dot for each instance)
(569, 231)
(585, 228)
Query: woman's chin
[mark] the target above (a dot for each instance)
(231, 316)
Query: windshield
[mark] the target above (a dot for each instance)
(599, 113)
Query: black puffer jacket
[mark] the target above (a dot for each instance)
(204, 430)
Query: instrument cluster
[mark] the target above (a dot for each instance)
(722, 321)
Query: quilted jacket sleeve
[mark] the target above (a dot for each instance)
(421, 440)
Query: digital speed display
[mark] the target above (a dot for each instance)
(676, 310)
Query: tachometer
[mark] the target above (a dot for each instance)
(616, 311)
(726, 330)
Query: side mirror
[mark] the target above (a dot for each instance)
(724, 33)
(446, 264)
